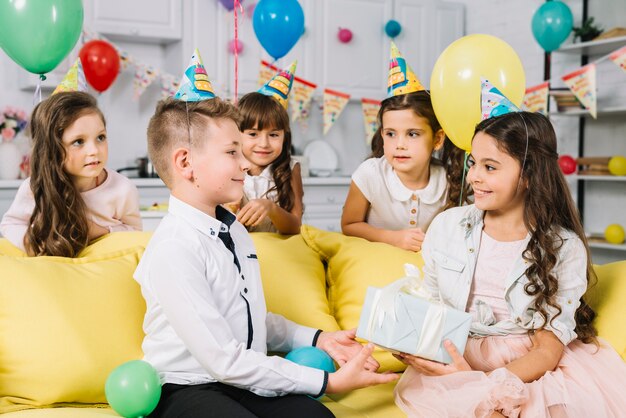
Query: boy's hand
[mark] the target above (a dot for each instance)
(409, 239)
(342, 346)
(255, 211)
(354, 374)
(433, 368)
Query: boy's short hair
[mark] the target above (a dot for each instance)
(177, 123)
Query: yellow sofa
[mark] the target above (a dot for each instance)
(66, 323)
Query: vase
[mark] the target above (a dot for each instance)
(10, 159)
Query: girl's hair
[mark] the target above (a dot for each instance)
(548, 207)
(452, 158)
(259, 111)
(58, 225)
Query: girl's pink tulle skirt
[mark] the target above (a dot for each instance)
(588, 382)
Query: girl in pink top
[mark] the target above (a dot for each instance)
(70, 198)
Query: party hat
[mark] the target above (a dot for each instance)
(74, 80)
(195, 84)
(401, 79)
(493, 102)
(280, 85)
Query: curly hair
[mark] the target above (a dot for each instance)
(259, 111)
(58, 225)
(451, 157)
(548, 207)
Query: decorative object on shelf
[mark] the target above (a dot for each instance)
(552, 24)
(611, 33)
(235, 46)
(101, 63)
(593, 166)
(370, 108)
(565, 100)
(278, 24)
(344, 35)
(456, 99)
(323, 160)
(567, 164)
(536, 98)
(12, 122)
(582, 83)
(334, 103)
(614, 234)
(587, 31)
(39, 34)
(74, 80)
(619, 58)
(144, 76)
(393, 28)
(617, 165)
(133, 389)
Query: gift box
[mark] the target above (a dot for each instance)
(403, 318)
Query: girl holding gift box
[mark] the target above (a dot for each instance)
(273, 189)
(395, 195)
(70, 198)
(518, 261)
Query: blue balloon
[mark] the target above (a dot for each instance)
(393, 28)
(312, 357)
(552, 24)
(278, 24)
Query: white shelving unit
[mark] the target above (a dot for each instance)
(604, 46)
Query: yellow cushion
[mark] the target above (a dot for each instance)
(372, 402)
(608, 299)
(353, 265)
(294, 280)
(6, 248)
(66, 323)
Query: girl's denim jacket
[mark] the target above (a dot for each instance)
(450, 251)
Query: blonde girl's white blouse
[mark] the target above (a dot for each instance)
(394, 206)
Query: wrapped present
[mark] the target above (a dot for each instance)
(402, 317)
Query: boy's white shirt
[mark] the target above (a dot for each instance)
(450, 251)
(391, 203)
(196, 321)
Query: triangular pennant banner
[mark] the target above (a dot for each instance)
(144, 76)
(301, 98)
(619, 58)
(536, 98)
(370, 117)
(169, 85)
(334, 103)
(266, 72)
(582, 83)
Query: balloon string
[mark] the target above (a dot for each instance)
(237, 5)
(37, 95)
(463, 178)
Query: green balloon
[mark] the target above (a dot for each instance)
(133, 389)
(38, 34)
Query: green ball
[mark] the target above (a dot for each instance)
(614, 234)
(133, 389)
(617, 165)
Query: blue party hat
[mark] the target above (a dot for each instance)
(279, 86)
(195, 84)
(493, 102)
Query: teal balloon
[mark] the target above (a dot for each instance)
(39, 34)
(133, 389)
(393, 28)
(278, 24)
(552, 23)
(312, 357)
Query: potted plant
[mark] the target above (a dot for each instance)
(587, 31)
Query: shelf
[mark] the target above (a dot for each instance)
(603, 46)
(595, 178)
(585, 113)
(607, 246)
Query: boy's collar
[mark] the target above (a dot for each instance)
(201, 221)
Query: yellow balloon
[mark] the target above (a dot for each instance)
(455, 82)
(614, 234)
(617, 165)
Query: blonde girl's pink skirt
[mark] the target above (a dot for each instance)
(588, 382)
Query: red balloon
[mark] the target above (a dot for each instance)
(101, 64)
(567, 164)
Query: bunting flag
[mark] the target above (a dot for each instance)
(266, 72)
(125, 59)
(74, 80)
(301, 98)
(582, 83)
(334, 103)
(370, 117)
(169, 85)
(536, 98)
(619, 58)
(144, 76)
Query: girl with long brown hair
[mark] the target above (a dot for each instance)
(70, 198)
(518, 261)
(273, 186)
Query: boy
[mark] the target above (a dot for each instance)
(207, 329)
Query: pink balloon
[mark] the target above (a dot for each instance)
(235, 46)
(344, 35)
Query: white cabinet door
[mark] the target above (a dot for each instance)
(158, 21)
(360, 66)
